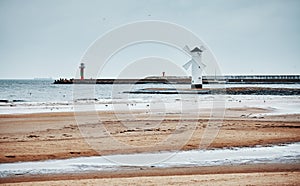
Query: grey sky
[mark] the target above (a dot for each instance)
(46, 38)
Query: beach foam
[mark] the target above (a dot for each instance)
(289, 153)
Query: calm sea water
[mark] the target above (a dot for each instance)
(34, 91)
(46, 91)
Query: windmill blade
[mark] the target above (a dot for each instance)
(202, 48)
(187, 49)
(202, 65)
(188, 64)
(199, 62)
(194, 62)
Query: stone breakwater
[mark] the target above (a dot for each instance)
(251, 79)
(224, 91)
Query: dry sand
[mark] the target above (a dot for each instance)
(31, 137)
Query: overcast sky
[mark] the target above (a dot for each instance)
(47, 38)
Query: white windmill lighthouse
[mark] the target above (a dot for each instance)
(197, 65)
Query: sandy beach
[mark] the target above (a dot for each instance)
(32, 137)
(44, 136)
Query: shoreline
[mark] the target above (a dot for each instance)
(275, 105)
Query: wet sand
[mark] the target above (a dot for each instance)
(33, 137)
(256, 174)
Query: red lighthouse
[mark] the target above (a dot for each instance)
(81, 67)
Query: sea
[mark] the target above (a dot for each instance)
(35, 95)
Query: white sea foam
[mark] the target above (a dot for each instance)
(289, 153)
(275, 105)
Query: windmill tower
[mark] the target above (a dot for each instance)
(82, 67)
(197, 66)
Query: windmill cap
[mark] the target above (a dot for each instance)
(196, 49)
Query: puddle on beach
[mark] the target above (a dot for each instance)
(289, 153)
